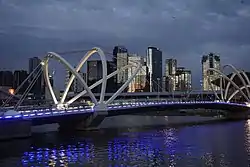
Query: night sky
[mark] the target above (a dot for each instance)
(183, 29)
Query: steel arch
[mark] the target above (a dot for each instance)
(75, 73)
(236, 92)
(230, 80)
(82, 61)
(238, 73)
(96, 84)
(70, 68)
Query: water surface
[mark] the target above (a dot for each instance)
(220, 144)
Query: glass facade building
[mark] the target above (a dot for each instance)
(210, 61)
(154, 64)
(170, 71)
(183, 79)
(138, 84)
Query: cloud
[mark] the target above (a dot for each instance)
(182, 29)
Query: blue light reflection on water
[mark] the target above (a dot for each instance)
(63, 155)
(209, 145)
(145, 148)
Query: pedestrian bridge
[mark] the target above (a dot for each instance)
(125, 108)
(69, 116)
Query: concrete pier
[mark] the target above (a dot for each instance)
(93, 121)
(88, 122)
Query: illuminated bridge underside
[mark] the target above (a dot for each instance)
(224, 96)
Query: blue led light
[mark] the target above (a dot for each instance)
(17, 116)
(33, 113)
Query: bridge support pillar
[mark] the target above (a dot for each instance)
(90, 122)
(95, 119)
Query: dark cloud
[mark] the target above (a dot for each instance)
(182, 29)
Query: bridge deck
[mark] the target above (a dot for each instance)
(124, 109)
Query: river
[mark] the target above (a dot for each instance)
(213, 144)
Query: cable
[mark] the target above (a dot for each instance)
(29, 87)
(20, 86)
(34, 80)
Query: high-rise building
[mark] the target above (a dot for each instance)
(120, 59)
(170, 71)
(47, 92)
(18, 78)
(78, 87)
(68, 75)
(210, 61)
(170, 67)
(138, 84)
(6, 78)
(183, 79)
(154, 63)
(118, 49)
(111, 82)
(37, 89)
(94, 73)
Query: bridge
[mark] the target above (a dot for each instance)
(70, 114)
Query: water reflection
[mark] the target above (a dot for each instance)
(247, 138)
(208, 145)
(63, 155)
(118, 151)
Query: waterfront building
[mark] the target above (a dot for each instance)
(210, 61)
(170, 71)
(138, 84)
(183, 79)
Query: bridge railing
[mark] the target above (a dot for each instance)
(53, 111)
(118, 102)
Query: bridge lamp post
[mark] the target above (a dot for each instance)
(172, 86)
(201, 83)
(158, 88)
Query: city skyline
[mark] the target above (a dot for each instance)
(183, 30)
(164, 75)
